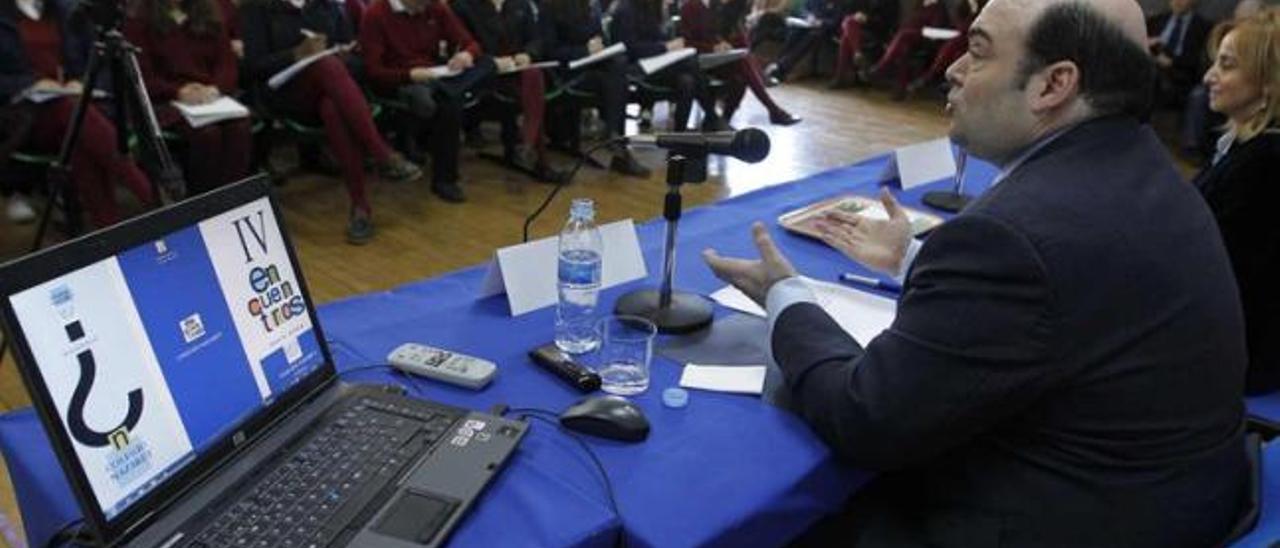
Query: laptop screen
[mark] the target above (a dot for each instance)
(155, 353)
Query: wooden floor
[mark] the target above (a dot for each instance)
(420, 236)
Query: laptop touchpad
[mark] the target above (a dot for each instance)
(416, 517)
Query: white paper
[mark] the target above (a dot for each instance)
(38, 96)
(527, 272)
(936, 33)
(801, 23)
(859, 313)
(736, 379)
(283, 77)
(921, 163)
(615, 49)
(442, 71)
(531, 66)
(658, 62)
(707, 61)
(224, 108)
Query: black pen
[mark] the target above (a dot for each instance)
(873, 283)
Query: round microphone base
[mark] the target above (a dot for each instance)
(946, 200)
(687, 313)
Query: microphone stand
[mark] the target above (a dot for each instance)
(671, 311)
(955, 199)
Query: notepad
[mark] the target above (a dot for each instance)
(615, 49)
(281, 78)
(859, 313)
(530, 66)
(658, 62)
(708, 61)
(224, 108)
(38, 96)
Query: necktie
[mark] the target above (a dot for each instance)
(1175, 38)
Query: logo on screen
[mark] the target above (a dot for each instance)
(276, 301)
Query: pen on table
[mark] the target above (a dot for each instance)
(873, 283)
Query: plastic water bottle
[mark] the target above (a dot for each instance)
(579, 280)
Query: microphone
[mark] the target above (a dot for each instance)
(749, 145)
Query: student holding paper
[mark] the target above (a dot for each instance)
(823, 19)
(508, 30)
(639, 24)
(717, 26)
(875, 17)
(273, 41)
(41, 50)
(186, 58)
(571, 30)
(400, 41)
(910, 36)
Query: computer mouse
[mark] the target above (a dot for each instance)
(607, 417)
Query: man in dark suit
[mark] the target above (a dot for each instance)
(1176, 40)
(1067, 360)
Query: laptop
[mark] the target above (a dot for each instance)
(177, 363)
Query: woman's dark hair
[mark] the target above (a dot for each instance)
(1117, 76)
(204, 16)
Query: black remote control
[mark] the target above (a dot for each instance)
(551, 358)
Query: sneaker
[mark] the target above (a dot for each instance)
(19, 211)
(626, 164)
(359, 227)
(398, 169)
(449, 192)
(783, 118)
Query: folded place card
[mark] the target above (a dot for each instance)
(735, 379)
(527, 272)
(921, 163)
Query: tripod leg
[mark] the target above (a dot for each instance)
(131, 87)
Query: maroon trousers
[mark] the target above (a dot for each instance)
(217, 154)
(743, 75)
(906, 40)
(95, 162)
(327, 88)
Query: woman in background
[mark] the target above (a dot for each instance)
(278, 33)
(42, 61)
(187, 58)
(640, 25)
(1240, 188)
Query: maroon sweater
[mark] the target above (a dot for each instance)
(174, 59)
(393, 43)
(43, 44)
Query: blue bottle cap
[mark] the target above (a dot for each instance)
(675, 398)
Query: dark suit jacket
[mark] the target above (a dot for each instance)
(1241, 190)
(1065, 368)
(1188, 67)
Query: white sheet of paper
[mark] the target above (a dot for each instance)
(921, 163)
(531, 66)
(859, 313)
(658, 62)
(707, 61)
(442, 71)
(736, 379)
(527, 272)
(938, 33)
(223, 108)
(800, 23)
(283, 77)
(615, 49)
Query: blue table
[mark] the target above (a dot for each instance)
(726, 470)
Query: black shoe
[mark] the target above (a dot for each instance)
(543, 172)
(773, 75)
(783, 118)
(626, 164)
(359, 228)
(398, 169)
(449, 192)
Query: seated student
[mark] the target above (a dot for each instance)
(639, 24)
(1176, 39)
(186, 57)
(875, 17)
(950, 50)
(40, 50)
(400, 41)
(571, 30)
(767, 20)
(897, 56)
(508, 30)
(824, 17)
(274, 40)
(718, 26)
(1244, 86)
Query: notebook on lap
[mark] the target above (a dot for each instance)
(178, 366)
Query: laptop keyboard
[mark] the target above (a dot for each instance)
(308, 499)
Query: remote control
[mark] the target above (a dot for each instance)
(443, 365)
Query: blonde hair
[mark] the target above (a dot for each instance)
(1258, 48)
